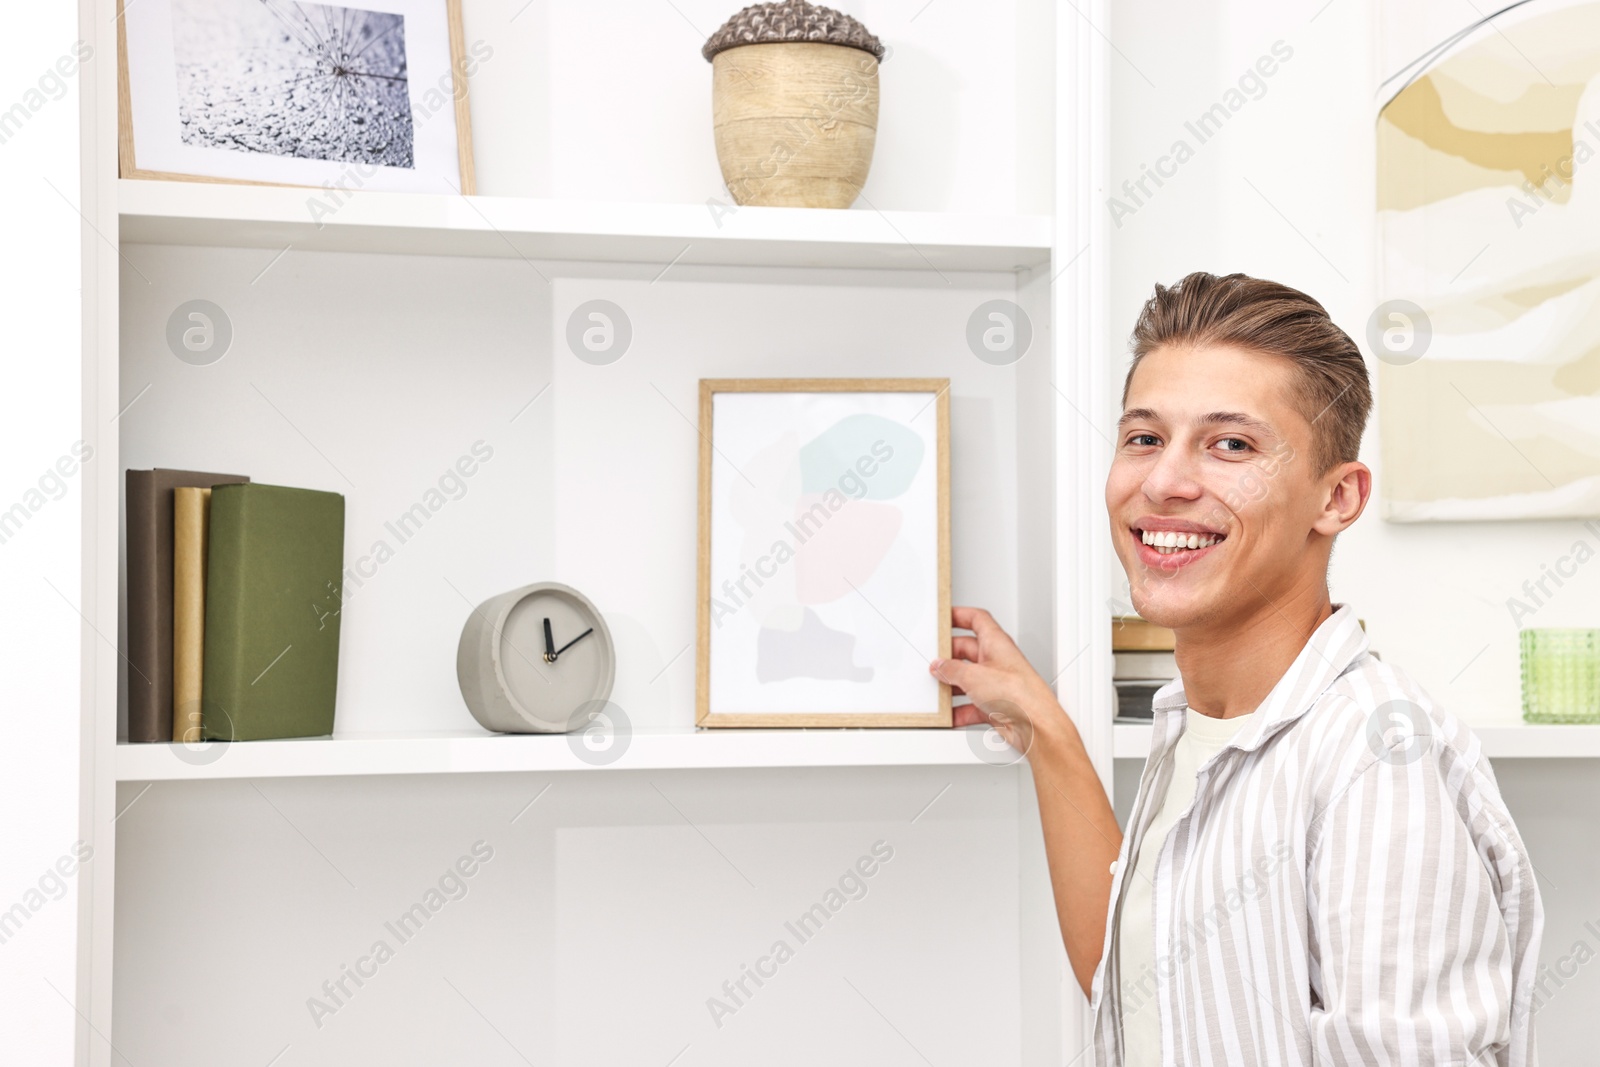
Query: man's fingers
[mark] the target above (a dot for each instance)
(980, 622)
(954, 672)
(968, 715)
(975, 619)
(967, 679)
(964, 648)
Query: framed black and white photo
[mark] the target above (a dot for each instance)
(366, 95)
(824, 556)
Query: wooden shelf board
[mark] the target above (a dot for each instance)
(188, 213)
(481, 752)
(1514, 741)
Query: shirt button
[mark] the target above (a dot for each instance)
(1113, 866)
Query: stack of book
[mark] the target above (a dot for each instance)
(1143, 662)
(233, 607)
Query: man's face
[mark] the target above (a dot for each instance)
(1211, 493)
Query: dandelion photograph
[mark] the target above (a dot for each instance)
(366, 96)
(310, 81)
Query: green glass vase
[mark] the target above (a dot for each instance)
(1561, 675)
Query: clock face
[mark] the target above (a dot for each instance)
(535, 660)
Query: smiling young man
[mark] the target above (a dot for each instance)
(1319, 868)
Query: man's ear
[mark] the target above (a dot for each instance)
(1347, 487)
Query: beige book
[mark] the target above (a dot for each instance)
(190, 510)
(1143, 666)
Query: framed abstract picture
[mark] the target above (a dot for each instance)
(1486, 331)
(370, 94)
(824, 569)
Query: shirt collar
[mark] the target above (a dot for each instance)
(1333, 647)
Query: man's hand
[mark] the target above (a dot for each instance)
(988, 668)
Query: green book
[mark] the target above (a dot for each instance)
(272, 612)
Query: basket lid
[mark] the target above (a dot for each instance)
(791, 20)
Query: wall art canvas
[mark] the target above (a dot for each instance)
(1488, 330)
(824, 568)
(367, 95)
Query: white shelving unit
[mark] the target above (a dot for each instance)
(375, 341)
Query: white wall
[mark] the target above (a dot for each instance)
(40, 628)
(1285, 191)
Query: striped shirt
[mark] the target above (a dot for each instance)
(1347, 886)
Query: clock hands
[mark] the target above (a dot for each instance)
(551, 652)
(569, 644)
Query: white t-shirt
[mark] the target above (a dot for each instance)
(1202, 737)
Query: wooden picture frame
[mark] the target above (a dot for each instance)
(461, 66)
(880, 399)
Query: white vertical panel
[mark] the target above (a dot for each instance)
(101, 529)
(1082, 259)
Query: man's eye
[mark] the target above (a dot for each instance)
(1234, 444)
(1144, 440)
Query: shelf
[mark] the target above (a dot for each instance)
(194, 213)
(1540, 741)
(477, 752)
(685, 749)
(1526, 741)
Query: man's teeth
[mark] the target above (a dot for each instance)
(1167, 542)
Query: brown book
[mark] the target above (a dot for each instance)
(190, 506)
(1129, 633)
(148, 637)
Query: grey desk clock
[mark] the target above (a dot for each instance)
(535, 660)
